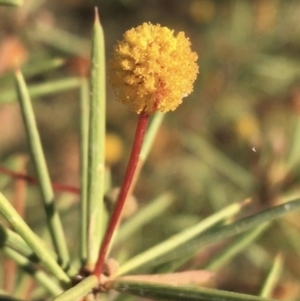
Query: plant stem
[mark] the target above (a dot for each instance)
(78, 291)
(43, 253)
(41, 170)
(33, 181)
(148, 142)
(11, 2)
(273, 277)
(42, 89)
(130, 171)
(29, 267)
(179, 240)
(84, 140)
(96, 147)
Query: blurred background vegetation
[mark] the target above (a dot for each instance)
(236, 136)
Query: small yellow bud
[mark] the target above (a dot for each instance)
(152, 70)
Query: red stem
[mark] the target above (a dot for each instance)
(130, 171)
(33, 181)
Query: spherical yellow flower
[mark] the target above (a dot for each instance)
(152, 69)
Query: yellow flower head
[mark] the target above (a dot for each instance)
(152, 70)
